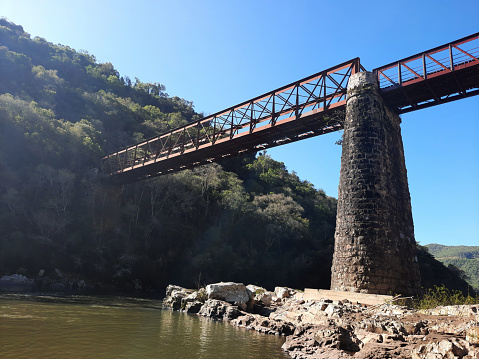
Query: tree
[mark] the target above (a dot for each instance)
(282, 218)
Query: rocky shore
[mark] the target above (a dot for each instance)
(336, 329)
(55, 282)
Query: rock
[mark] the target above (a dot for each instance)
(217, 309)
(337, 337)
(230, 292)
(368, 337)
(192, 307)
(338, 329)
(456, 310)
(197, 295)
(175, 296)
(16, 283)
(446, 348)
(284, 292)
(254, 289)
(265, 297)
(243, 321)
(259, 294)
(303, 344)
(171, 288)
(264, 325)
(15, 278)
(193, 302)
(472, 335)
(413, 328)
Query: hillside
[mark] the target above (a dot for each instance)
(453, 252)
(464, 258)
(247, 219)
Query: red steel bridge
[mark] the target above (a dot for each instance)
(309, 107)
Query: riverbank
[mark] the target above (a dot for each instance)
(331, 329)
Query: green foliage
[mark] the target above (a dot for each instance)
(464, 260)
(442, 296)
(281, 218)
(435, 273)
(442, 251)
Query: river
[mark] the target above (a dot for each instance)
(118, 327)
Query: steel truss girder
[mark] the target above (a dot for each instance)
(442, 74)
(305, 108)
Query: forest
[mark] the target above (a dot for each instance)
(246, 219)
(464, 259)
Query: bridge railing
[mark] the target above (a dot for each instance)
(322, 91)
(429, 64)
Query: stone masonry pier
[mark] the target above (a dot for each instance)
(375, 249)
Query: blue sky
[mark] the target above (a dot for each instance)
(219, 53)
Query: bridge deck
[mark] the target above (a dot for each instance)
(309, 107)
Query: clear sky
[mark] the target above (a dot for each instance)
(217, 53)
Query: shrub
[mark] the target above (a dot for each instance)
(440, 296)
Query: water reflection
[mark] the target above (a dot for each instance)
(93, 327)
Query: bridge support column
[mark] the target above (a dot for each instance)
(375, 249)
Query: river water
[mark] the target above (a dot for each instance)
(118, 327)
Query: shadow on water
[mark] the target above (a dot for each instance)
(119, 327)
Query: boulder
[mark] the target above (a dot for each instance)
(230, 292)
(171, 288)
(193, 302)
(265, 297)
(259, 295)
(16, 283)
(192, 307)
(333, 310)
(284, 292)
(253, 290)
(263, 325)
(244, 321)
(197, 295)
(472, 335)
(337, 337)
(175, 296)
(446, 348)
(218, 309)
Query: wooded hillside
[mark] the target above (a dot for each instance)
(248, 220)
(462, 259)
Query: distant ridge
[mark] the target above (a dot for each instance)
(464, 258)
